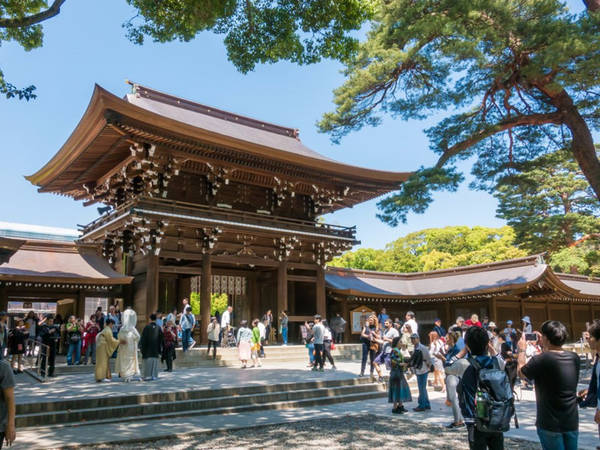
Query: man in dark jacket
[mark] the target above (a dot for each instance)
(476, 343)
(151, 347)
(50, 335)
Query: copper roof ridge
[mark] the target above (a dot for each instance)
(49, 246)
(190, 105)
(576, 276)
(515, 262)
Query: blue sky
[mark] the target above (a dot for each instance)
(86, 44)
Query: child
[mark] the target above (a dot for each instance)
(398, 389)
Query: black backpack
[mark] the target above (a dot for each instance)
(494, 401)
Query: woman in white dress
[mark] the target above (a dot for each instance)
(127, 365)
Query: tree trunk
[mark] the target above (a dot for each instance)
(592, 5)
(582, 144)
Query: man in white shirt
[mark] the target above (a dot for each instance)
(225, 322)
(409, 319)
(422, 371)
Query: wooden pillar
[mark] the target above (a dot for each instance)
(80, 305)
(572, 320)
(205, 293)
(346, 316)
(493, 313)
(448, 314)
(547, 310)
(522, 308)
(282, 287)
(321, 300)
(152, 277)
(4, 299)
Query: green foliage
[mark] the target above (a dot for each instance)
(218, 302)
(257, 31)
(584, 259)
(437, 248)
(548, 202)
(513, 77)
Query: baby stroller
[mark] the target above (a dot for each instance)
(229, 338)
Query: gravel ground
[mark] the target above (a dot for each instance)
(364, 431)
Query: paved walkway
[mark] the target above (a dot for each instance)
(76, 386)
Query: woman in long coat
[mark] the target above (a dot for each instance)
(105, 347)
(127, 365)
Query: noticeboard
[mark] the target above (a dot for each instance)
(358, 317)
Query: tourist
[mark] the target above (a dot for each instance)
(589, 396)
(169, 344)
(127, 365)
(412, 322)
(398, 389)
(74, 333)
(389, 334)
(459, 325)
(327, 345)
(477, 344)
(187, 325)
(473, 321)
(370, 347)
(527, 328)
(256, 338)
(171, 317)
(213, 331)
(31, 325)
(283, 327)
(383, 316)
(338, 326)
(50, 335)
(405, 340)
(318, 331)
(244, 342)
(436, 348)
(7, 405)
(510, 360)
(159, 319)
(421, 363)
(267, 321)
(116, 316)
(105, 347)
(438, 328)
(151, 343)
(556, 374)
(226, 323)
(308, 337)
(485, 323)
(99, 318)
(454, 368)
(510, 335)
(185, 302)
(263, 333)
(91, 332)
(3, 334)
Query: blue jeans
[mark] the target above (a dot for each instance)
(311, 348)
(74, 347)
(284, 335)
(423, 401)
(552, 440)
(185, 338)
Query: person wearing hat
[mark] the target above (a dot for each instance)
(510, 335)
(50, 335)
(526, 325)
(421, 362)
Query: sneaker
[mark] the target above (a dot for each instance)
(396, 411)
(106, 380)
(333, 368)
(403, 409)
(455, 425)
(321, 370)
(380, 380)
(419, 409)
(314, 369)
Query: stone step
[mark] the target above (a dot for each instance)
(171, 396)
(182, 407)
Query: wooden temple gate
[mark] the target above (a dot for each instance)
(196, 191)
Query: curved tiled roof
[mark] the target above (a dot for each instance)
(460, 281)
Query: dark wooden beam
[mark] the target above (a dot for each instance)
(302, 278)
(321, 299)
(282, 288)
(205, 294)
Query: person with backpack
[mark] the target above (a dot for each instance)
(555, 373)
(484, 393)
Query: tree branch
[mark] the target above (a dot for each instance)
(592, 5)
(19, 22)
(507, 124)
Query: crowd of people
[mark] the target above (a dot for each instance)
(477, 364)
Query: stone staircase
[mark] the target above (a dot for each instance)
(164, 405)
(228, 357)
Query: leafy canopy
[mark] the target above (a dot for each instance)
(218, 302)
(514, 78)
(437, 248)
(548, 202)
(256, 31)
